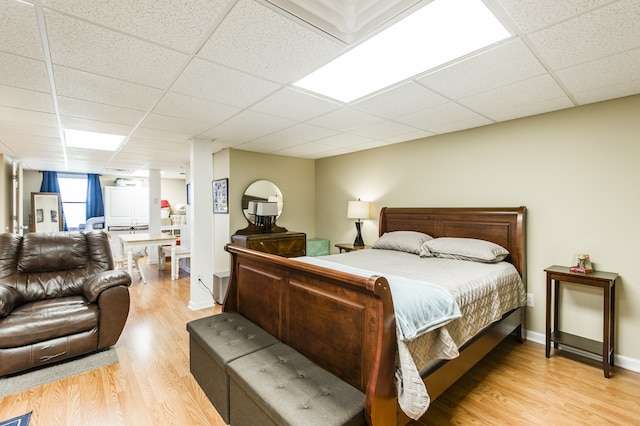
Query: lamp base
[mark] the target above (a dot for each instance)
(359, 242)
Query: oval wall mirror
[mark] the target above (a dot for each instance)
(261, 191)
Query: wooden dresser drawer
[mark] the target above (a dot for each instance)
(286, 244)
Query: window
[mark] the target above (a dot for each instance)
(73, 193)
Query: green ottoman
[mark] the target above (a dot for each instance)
(317, 247)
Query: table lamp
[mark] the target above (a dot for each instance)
(358, 210)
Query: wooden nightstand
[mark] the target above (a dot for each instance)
(286, 244)
(350, 247)
(604, 280)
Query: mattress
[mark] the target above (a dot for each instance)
(484, 292)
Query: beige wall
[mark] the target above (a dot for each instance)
(575, 170)
(294, 176)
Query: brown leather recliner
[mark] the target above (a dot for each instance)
(59, 298)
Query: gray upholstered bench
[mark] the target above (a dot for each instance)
(279, 386)
(214, 342)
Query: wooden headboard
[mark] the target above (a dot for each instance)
(503, 226)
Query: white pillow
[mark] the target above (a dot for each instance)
(407, 241)
(464, 249)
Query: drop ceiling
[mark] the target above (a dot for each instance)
(163, 72)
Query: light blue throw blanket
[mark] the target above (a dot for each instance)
(419, 306)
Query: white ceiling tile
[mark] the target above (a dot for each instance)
(457, 125)
(174, 124)
(505, 64)
(110, 53)
(609, 30)
(202, 79)
(609, 71)
(138, 145)
(384, 130)
(99, 112)
(77, 123)
(345, 120)
(179, 24)
(24, 116)
(269, 143)
(52, 147)
(417, 134)
(532, 15)
(343, 140)
(28, 131)
(400, 100)
(177, 105)
(249, 125)
(99, 89)
(439, 115)
(529, 109)
(23, 72)
(610, 92)
(533, 91)
(26, 99)
(304, 149)
(142, 134)
(562, 53)
(306, 132)
(295, 105)
(19, 31)
(259, 41)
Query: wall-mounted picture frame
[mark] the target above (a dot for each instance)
(221, 196)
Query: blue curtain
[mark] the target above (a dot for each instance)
(50, 184)
(95, 206)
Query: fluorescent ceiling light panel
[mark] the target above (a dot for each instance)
(440, 32)
(92, 140)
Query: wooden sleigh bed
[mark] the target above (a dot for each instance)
(346, 324)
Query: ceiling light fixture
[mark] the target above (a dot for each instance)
(92, 140)
(440, 32)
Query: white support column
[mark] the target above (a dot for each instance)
(154, 202)
(200, 221)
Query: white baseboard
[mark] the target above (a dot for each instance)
(619, 360)
(201, 305)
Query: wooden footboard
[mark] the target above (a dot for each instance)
(346, 323)
(342, 322)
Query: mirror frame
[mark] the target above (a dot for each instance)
(41, 221)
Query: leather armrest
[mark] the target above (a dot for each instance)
(104, 280)
(10, 298)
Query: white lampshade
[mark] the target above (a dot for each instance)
(358, 210)
(267, 209)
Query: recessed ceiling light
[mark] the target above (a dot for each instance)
(440, 32)
(92, 140)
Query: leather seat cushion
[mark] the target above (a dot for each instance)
(47, 319)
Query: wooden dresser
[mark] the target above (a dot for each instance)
(286, 244)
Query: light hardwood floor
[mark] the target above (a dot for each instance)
(151, 385)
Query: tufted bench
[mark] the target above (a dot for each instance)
(279, 386)
(214, 342)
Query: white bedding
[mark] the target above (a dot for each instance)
(483, 291)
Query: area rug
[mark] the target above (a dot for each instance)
(22, 420)
(19, 382)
